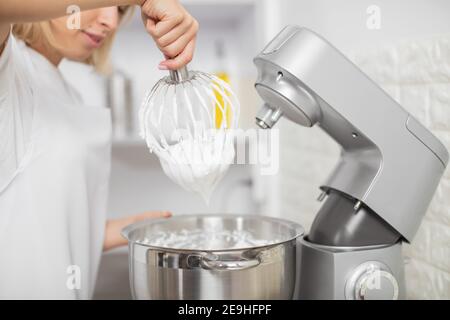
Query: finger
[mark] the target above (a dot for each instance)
(158, 214)
(182, 59)
(164, 26)
(164, 20)
(150, 25)
(153, 215)
(175, 48)
(175, 33)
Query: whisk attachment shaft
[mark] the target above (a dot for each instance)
(179, 75)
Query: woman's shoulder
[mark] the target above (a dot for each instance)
(15, 60)
(9, 47)
(14, 66)
(14, 49)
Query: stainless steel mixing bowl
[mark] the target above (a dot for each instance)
(253, 272)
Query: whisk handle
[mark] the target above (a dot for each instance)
(179, 75)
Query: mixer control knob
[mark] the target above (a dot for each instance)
(371, 281)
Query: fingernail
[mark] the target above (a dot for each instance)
(162, 67)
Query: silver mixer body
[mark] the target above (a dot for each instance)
(387, 174)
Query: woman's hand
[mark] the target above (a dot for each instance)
(114, 239)
(173, 29)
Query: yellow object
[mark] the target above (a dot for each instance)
(222, 103)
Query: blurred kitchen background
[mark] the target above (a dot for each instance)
(409, 56)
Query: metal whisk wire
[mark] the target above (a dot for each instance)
(187, 119)
(191, 105)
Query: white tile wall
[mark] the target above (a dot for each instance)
(416, 74)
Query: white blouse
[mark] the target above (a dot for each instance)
(54, 172)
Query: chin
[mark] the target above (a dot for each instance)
(81, 57)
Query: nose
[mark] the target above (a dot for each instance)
(108, 18)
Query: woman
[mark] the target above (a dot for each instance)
(55, 151)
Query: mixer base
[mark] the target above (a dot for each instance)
(350, 273)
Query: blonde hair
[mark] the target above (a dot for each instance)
(41, 32)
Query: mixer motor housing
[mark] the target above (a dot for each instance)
(387, 174)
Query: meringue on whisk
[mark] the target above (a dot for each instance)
(188, 119)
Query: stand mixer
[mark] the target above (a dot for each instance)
(389, 167)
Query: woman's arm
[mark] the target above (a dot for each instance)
(171, 26)
(13, 11)
(113, 237)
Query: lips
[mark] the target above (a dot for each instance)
(93, 39)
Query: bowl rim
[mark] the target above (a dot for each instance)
(297, 228)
